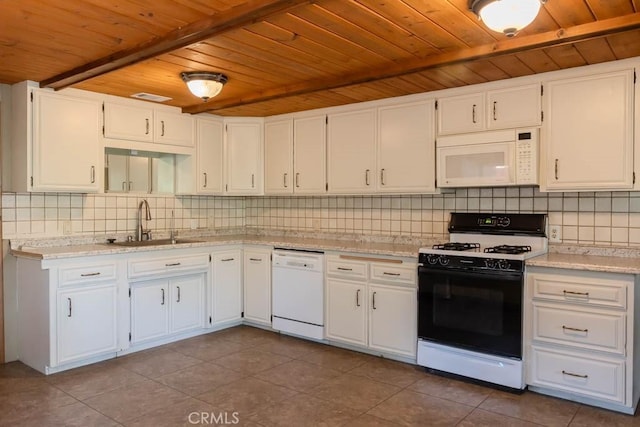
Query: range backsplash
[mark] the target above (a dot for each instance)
(602, 218)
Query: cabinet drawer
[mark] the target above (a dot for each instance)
(597, 290)
(148, 267)
(351, 269)
(577, 373)
(405, 274)
(89, 273)
(600, 330)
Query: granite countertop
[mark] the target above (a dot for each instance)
(33, 250)
(587, 262)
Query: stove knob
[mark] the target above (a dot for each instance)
(503, 264)
(432, 259)
(444, 260)
(490, 263)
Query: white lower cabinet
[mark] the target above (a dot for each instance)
(371, 302)
(227, 287)
(257, 285)
(161, 307)
(579, 336)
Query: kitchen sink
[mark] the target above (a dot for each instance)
(158, 242)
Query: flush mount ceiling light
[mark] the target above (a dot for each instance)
(204, 84)
(506, 16)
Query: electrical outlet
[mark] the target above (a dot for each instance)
(555, 234)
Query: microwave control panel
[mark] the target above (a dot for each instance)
(527, 157)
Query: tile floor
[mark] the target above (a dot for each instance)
(250, 377)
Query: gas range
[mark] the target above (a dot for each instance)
(489, 241)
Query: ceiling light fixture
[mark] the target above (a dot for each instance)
(506, 16)
(204, 84)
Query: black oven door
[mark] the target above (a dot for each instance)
(475, 310)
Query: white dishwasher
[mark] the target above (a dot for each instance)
(298, 292)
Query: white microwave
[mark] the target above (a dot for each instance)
(488, 159)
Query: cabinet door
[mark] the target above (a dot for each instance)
(209, 156)
(66, 132)
(86, 322)
(129, 122)
(310, 153)
(346, 311)
(278, 157)
(392, 319)
(173, 128)
(244, 158)
(514, 107)
(187, 302)
(588, 132)
(351, 152)
(406, 148)
(227, 286)
(461, 114)
(257, 285)
(149, 310)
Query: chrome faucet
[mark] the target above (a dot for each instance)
(141, 233)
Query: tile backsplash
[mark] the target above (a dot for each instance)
(602, 218)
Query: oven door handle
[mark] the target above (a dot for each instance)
(502, 275)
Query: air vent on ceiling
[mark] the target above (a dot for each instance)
(150, 97)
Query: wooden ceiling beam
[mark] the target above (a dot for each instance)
(574, 34)
(232, 19)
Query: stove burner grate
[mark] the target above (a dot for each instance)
(508, 249)
(457, 246)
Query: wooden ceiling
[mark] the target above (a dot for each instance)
(291, 55)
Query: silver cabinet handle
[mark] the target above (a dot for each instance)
(373, 301)
(162, 124)
(178, 300)
(473, 113)
(253, 181)
(284, 180)
(69, 299)
(146, 131)
(97, 273)
(205, 179)
(366, 176)
(162, 303)
(583, 294)
(574, 375)
(172, 264)
(382, 177)
(567, 328)
(358, 298)
(130, 185)
(297, 180)
(255, 259)
(93, 174)
(390, 274)
(556, 168)
(124, 185)
(227, 259)
(495, 103)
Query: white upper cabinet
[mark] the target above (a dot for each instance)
(278, 157)
(352, 152)
(209, 156)
(514, 107)
(66, 146)
(505, 108)
(587, 132)
(309, 155)
(138, 121)
(173, 128)
(460, 114)
(295, 153)
(244, 148)
(132, 122)
(406, 148)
